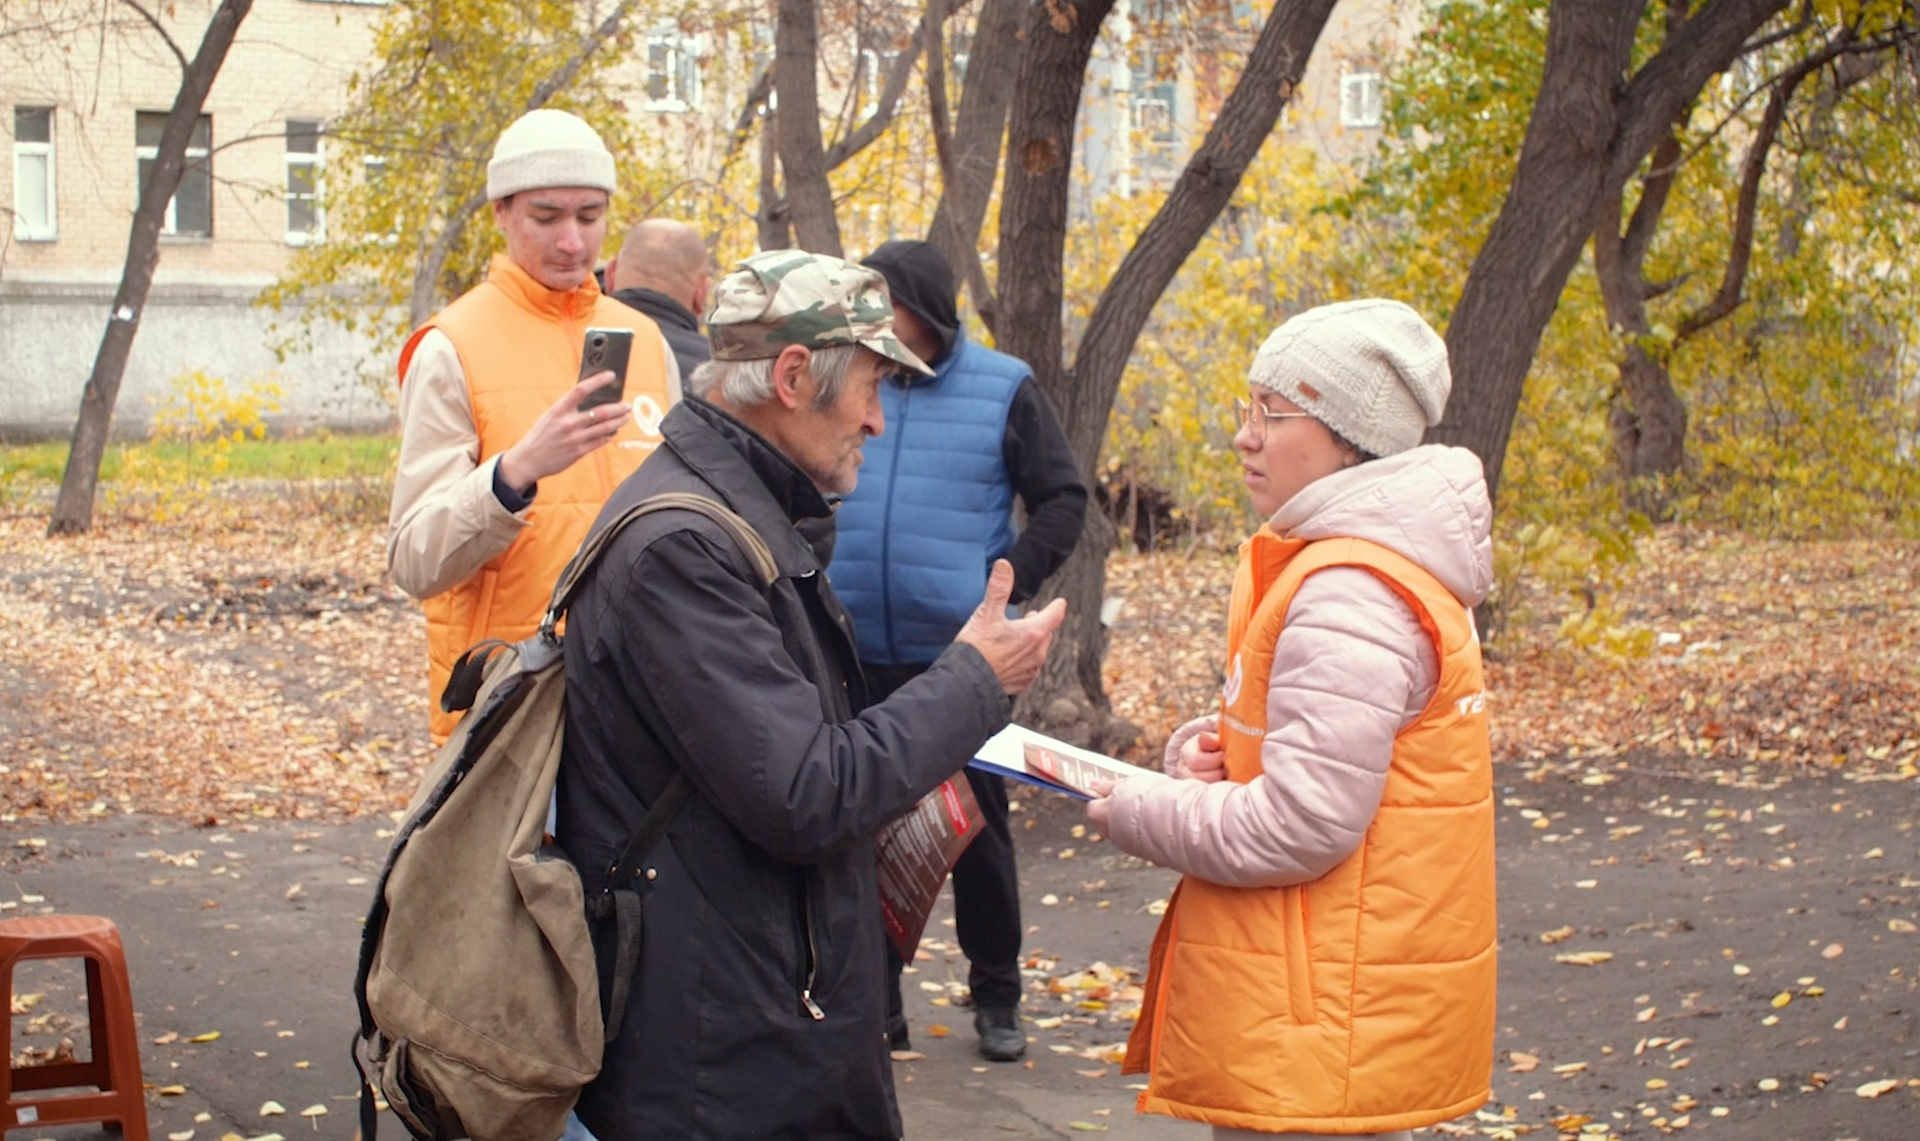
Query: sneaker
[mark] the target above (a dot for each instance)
(1001, 1038)
(897, 1038)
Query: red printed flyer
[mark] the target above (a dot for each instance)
(915, 853)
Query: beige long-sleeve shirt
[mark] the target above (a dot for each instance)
(445, 522)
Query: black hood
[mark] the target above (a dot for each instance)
(920, 278)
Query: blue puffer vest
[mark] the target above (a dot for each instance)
(933, 507)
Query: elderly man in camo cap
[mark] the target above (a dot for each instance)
(757, 1008)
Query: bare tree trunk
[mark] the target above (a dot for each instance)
(1648, 421)
(973, 158)
(73, 508)
(802, 152)
(1033, 230)
(773, 220)
(1069, 699)
(1590, 129)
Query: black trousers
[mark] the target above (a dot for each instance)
(986, 884)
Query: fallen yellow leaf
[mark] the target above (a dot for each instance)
(24, 1002)
(938, 1031)
(272, 1109)
(1557, 935)
(171, 1091)
(1583, 958)
(1782, 999)
(209, 1036)
(1875, 1089)
(1523, 1063)
(314, 1111)
(1901, 926)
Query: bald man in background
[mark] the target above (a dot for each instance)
(663, 269)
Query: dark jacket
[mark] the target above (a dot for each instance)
(765, 901)
(677, 324)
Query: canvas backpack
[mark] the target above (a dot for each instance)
(479, 996)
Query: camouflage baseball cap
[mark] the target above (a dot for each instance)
(789, 297)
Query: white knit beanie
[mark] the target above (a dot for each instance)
(1373, 371)
(548, 148)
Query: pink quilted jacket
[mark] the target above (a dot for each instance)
(1352, 669)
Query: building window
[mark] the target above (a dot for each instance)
(33, 185)
(673, 71)
(190, 212)
(1360, 99)
(306, 218)
(1154, 113)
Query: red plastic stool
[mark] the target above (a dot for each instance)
(113, 1069)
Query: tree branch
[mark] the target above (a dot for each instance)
(984, 302)
(1675, 75)
(757, 94)
(1734, 278)
(159, 28)
(1272, 74)
(802, 155)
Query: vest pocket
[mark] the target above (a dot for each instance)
(1299, 957)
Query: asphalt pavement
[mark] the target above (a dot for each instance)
(1679, 956)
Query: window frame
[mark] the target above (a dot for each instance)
(315, 161)
(1368, 108)
(169, 221)
(22, 230)
(680, 74)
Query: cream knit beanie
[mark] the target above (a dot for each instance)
(1373, 371)
(548, 148)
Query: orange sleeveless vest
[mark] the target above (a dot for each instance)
(519, 344)
(1364, 1000)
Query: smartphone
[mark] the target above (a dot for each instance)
(605, 349)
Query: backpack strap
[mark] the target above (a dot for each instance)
(589, 552)
(625, 890)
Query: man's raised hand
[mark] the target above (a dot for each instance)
(1016, 648)
(562, 435)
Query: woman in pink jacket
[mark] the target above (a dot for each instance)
(1327, 965)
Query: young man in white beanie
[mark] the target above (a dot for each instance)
(501, 470)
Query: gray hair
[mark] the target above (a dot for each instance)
(743, 384)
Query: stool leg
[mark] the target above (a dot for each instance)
(6, 1034)
(100, 1051)
(123, 1048)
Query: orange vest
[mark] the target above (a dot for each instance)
(519, 344)
(1364, 1000)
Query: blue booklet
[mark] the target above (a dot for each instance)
(1045, 762)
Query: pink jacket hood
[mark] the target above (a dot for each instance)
(1428, 504)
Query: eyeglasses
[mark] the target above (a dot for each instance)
(1244, 418)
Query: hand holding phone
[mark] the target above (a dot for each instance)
(605, 350)
(581, 421)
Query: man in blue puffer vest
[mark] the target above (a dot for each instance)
(932, 511)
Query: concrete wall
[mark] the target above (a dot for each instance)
(49, 334)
